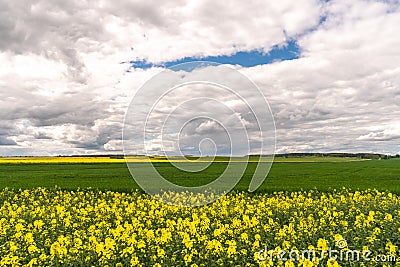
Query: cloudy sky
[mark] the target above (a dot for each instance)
(330, 70)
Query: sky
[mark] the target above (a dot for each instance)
(330, 71)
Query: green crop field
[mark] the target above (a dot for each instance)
(285, 175)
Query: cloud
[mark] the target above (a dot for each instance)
(346, 81)
(4, 141)
(63, 89)
(385, 135)
(188, 114)
(67, 30)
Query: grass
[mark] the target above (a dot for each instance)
(289, 175)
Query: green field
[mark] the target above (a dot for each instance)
(285, 175)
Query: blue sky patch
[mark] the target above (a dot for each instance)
(289, 51)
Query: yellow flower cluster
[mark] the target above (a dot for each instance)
(43, 227)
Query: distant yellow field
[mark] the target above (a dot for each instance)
(59, 160)
(139, 159)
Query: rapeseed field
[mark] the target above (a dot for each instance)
(53, 227)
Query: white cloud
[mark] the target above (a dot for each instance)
(389, 134)
(60, 68)
(346, 81)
